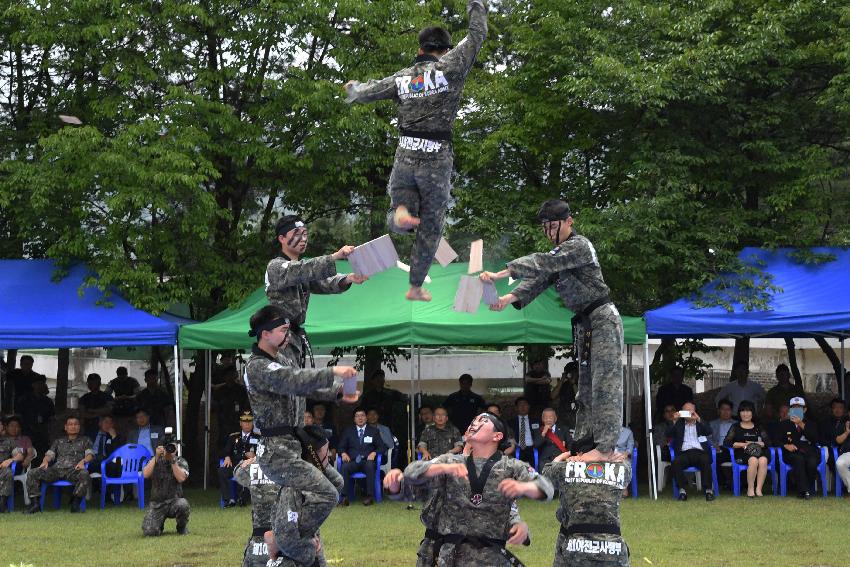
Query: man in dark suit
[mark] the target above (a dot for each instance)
(146, 434)
(240, 445)
(691, 441)
(524, 428)
(105, 442)
(550, 439)
(358, 448)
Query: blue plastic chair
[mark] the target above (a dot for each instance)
(634, 472)
(839, 486)
(715, 484)
(234, 486)
(738, 469)
(536, 457)
(133, 459)
(57, 491)
(785, 467)
(10, 501)
(359, 475)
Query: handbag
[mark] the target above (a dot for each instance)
(754, 450)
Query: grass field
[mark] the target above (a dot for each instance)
(728, 532)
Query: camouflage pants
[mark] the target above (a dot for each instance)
(5, 483)
(424, 186)
(280, 460)
(465, 555)
(584, 550)
(425, 555)
(79, 478)
(154, 521)
(600, 384)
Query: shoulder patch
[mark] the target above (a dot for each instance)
(274, 366)
(555, 250)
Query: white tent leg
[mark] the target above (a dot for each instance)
(207, 396)
(178, 398)
(627, 390)
(647, 404)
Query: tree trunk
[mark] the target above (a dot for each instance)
(830, 354)
(372, 364)
(661, 362)
(741, 354)
(64, 362)
(192, 419)
(792, 362)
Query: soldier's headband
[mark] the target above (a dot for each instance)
(273, 324)
(286, 227)
(498, 426)
(429, 47)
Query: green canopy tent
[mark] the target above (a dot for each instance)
(377, 314)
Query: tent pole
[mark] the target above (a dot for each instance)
(647, 405)
(627, 414)
(207, 396)
(178, 398)
(411, 423)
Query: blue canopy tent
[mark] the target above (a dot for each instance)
(38, 311)
(810, 300)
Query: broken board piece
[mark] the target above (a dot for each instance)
(374, 256)
(349, 386)
(476, 257)
(468, 296)
(445, 253)
(489, 294)
(70, 119)
(405, 268)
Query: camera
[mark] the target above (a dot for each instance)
(169, 442)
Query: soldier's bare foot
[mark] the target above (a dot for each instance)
(418, 294)
(271, 544)
(403, 219)
(594, 455)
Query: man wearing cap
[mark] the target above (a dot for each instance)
(428, 95)
(240, 445)
(473, 496)
(278, 390)
(799, 437)
(573, 268)
(290, 280)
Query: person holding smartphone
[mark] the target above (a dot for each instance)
(799, 437)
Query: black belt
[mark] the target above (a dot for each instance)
(584, 314)
(441, 135)
(260, 532)
(611, 529)
(279, 430)
(581, 320)
(478, 542)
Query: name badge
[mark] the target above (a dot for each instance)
(367, 439)
(535, 426)
(702, 438)
(252, 441)
(154, 435)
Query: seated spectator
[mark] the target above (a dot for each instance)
(14, 432)
(320, 418)
(359, 447)
(719, 428)
(550, 440)
(836, 431)
(741, 388)
(71, 455)
(145, 433)
(510, 449)
(773, 428)
(663, 431)
(426, 418)
(784, 389)
(691, 441)
(799, 437)
(537, 386)
(524, 427)
(240, 446)
(308, 418)
(625, 442)
(154, 399)
(440, 437)
(123, 389)
(750, 444)
(10, 453)
(167, 473)
(464, 404)
(94, 405)
(20, 382)
(675, 392)
(37, 411)
(387, 438)
(106, 441)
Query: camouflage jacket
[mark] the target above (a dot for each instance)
(8, 448)
(163, 484)
(278, 389)
(439, 441)
(428, 93)
(572, 267)
(494, 515)
(590, 492)
(68, 452)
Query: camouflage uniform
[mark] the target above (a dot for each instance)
(277, 390)
(590, 498)
(428, 95)
(264, 498)
(573, 268)
(289, 284)
(67, 453)
(166, 498)
(453, 513)
(8, 449)
(439, 441)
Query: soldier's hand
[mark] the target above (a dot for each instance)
(80, 466)
(392, 481)
(343, 253)
(5, 464)
(356, 278)
(487, 277)
(351, 398)
(562, 457)
(227, 462)
(318, 543)
(345, 458)
(511, 488)
(344, 372)
(44, 463)
(518, 533)
(503, 302)
(348, 85)
(247, 462)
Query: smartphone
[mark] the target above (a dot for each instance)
(685, 414)
(799, 413)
